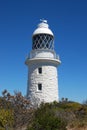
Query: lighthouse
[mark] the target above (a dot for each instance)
(42, 62)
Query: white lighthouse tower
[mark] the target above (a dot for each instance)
(42, 66)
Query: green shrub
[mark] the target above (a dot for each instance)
(6, 118)
(45, 119)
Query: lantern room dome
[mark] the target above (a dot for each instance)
(43, 28)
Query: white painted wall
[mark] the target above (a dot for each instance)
(42, 53)
(49, 80)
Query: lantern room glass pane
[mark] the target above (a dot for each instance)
(43, 41)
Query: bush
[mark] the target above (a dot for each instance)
(6, 118)
(45, 119)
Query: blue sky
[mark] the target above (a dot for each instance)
(68, 21)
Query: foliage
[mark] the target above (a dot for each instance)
(16, 111)
(6, 118)
(48, 116)
(18, 105)
(45, 119)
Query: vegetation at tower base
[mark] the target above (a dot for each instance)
(45, 118)
(17, 106)
(16, 113)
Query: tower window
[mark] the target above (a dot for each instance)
(39, 87)
(40, 70)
